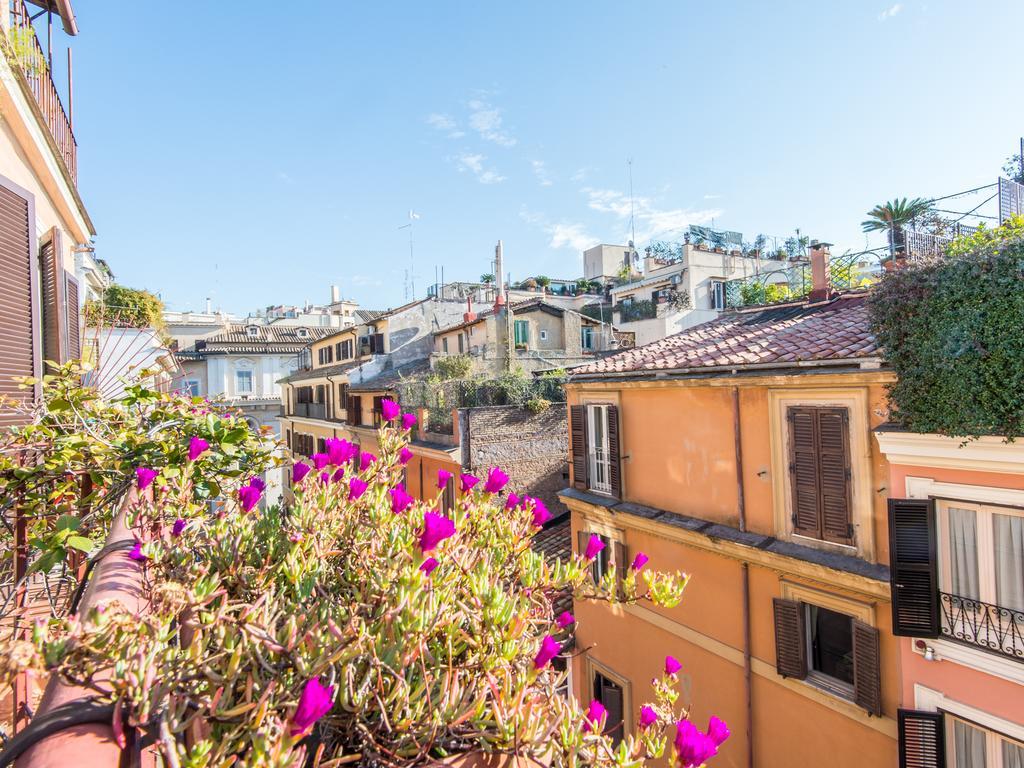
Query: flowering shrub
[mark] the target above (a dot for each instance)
(359, 624)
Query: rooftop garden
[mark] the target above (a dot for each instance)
(357, 626)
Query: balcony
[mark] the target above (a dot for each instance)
(990, 627)
(309, 410)
(25, 51)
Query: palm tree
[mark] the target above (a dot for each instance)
(893, 217)
(487, 278)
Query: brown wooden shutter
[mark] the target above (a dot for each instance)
(19, 335)
(615, 471)
(51, 271)
(74, 319)
(867, 673)
(610, 694)
(913, 572)
(578, 442)
(922, 739)
(834, 464)
(803, 471)
(582, 539)
(619, 556)
(790, 639)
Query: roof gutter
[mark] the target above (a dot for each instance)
(707, 371)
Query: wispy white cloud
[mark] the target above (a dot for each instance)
(474, 163)
(445, 123)
(486, 120)
(284, 178)
(891, 11)
(650, 219)
(712, 196)
(541, 172)
(562, 234)
(580, 175)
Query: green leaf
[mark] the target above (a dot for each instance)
(80, 543)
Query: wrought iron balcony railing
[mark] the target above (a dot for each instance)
(983, 625)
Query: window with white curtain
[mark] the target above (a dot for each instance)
(598, 451)
(982, 553)
(969, 745)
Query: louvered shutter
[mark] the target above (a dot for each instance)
(913, 572)
(582, 539)
(19, 335)
(578, 441)
(834, 470)
(610, 694)
(619, 556)
(803, 471)
(867, 673)
(922, 739)
(51, 271)
(790, 639)
(615, 466)
(73, 318)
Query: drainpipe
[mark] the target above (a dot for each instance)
(741, 509)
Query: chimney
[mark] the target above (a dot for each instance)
(469, 315)
(209, 305)
(335, 294)
(499, 267)
(820, 284)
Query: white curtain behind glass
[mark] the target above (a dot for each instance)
(969, 745)
(1008, 542)
(963, 552)
(1013, 755)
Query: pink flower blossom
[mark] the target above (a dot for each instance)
(249, 497)
(693, 747)
(400, 500)
(540, 513)
(549, 648)
(405, 455)
(565, 619)
(595, 712)
(356, 488)
(639, 561)
(316, 700)
(144, 477)
(408, 421)
(648, 717)
(196, 447)
(594, 547)
(365, 460)
(436, 528)
(320, 460)
(339, 475)
(718, 731)
(672, 665)
(428, 565)
(496, 480)
(137, 554)
(299, 470)
(257, 482)
(325, 477)
(179, 527)
(389, 409)
(295, 538)
(466, 482)
(443, 476)
(512, 501)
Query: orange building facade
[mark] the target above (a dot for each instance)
(742, 453)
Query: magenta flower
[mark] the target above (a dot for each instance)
(540, 513)
(693, 747)
(496, 480)
(196, 447)
(648, 717)
(592, 720)
(299, 470)
(466, 482)
(512, 501)
(356, 488)
(718, 731)
(400, 500)
(428, 565)
(249, 497)
(443, 476)
(594, 547)
(137, 554)
(672, 665)
(144, 477)
(549, 648)
(408, 421)
(436, 528)
(366, 459)
(315, 702)
(320, 460)
(325, 477)
(339, 475)
(257, 482)
(179, 527)
(339, 451)
(404, 455)
(639, 561)
(565, 619)
(389, 410)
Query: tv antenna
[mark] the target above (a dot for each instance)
(410, 276)
(632, 217)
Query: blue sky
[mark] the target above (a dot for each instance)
(259, 157)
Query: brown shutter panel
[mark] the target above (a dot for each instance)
(922, 739)
(19, 335)
(913, 572)
(615, 473)
(51, 270)
(619, 556)
(803, 470)
(834, 464)
(578, 442)
(74, 320)
(790, 639)
(867, 672)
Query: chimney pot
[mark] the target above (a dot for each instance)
(335, 294)
(469, 315)
(820, 283)
(499, 268)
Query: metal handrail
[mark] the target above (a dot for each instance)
(991, 627)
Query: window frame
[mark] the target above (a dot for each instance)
(816, 677)
(716, 293)
(594, 461)
(191, 387)
(985, 533)
(521, 340)
(252, 381)
(593, 667)
(587, 338)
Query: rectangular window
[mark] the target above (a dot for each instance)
(819, 473)
(970, 745)
(522, 333)
(543, 335)
(587, 337)
(243, 382)
(191, 388)
(462, 344)
(830, 649)
(598, 453)
(718, 294)
(611, 695)
(444, 345)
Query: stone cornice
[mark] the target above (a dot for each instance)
(984, 454)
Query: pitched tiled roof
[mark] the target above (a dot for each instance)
(318, 373)
(389, 377)
(270, 334)
(368, 315)
(518, 306)
(764, 337)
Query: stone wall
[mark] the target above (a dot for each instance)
(532, 448)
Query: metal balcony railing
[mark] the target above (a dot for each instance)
(983, 625)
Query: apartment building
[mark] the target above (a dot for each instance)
(43, 220)
(742, 451)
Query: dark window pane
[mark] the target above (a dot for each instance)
(609, 693)
(831, 643)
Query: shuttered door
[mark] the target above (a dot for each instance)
(867, 675)
(18, 335)
(51, 270)
(834, 464)
(913, 571)
(355, 410)
(803, 471)
(615, 463)
(922, 739)
(790, 639)
(73, 318)
(578, 441)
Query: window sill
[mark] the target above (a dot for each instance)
(830, 685)
(825, 546)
